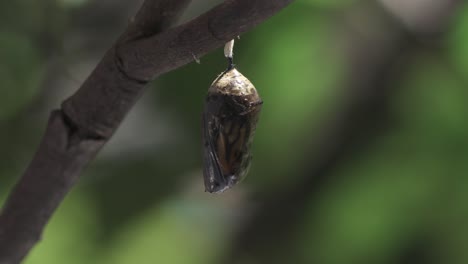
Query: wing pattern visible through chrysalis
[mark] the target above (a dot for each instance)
(212, 171)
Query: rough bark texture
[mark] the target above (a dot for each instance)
(88, 118)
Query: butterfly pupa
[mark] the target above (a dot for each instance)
(230, 116)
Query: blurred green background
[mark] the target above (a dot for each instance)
(360, 156)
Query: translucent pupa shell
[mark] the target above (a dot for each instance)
(231, 113)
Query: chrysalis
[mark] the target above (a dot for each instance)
(232, 108)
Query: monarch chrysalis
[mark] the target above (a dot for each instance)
(232, 108)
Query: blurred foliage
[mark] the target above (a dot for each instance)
(73, 236)
(329, 3)
(22, 72)
(399, 199)
(27, 31)
(457, 41)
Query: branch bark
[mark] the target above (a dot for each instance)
(77, 132)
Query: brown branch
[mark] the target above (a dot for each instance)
(89, 118)
(153, 17)
(130, 64)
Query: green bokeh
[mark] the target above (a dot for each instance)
(296, 74)
(20, 73)
(458, 38)
(70, 236)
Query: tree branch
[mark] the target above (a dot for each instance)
(89, 117)
(129, 65)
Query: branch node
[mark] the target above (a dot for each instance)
(120, 65)
(197, 60)
(75, 134)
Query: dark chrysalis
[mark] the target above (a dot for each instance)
(232, 108)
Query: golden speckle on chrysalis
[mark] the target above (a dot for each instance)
(232, 108)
